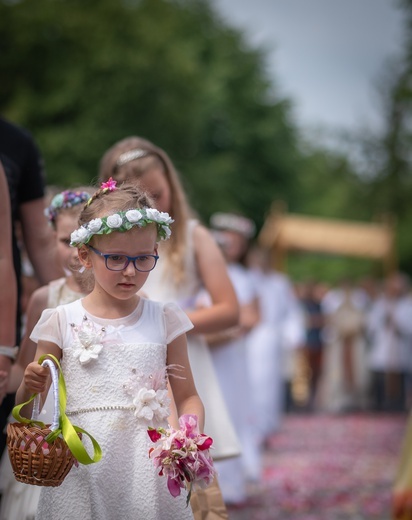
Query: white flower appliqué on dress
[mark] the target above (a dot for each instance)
(87, 343)
(150, 396)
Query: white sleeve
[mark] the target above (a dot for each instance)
(176, 321)
(402, 317)
(49, 327)
(294, 330)
(375, 318)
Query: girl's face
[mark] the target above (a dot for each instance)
(121, 285)
(234, 245)
(155, 183)
(65, 225)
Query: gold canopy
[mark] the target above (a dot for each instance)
(282, 232)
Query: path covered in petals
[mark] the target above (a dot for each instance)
(328, 468)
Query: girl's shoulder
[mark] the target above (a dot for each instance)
(53, 322)
(149, 307)
(154, 307)
(54, 291)
(169, 312)
(68, 310)
(175, 320)
(39, 298)
(203, 239)
(56, 283)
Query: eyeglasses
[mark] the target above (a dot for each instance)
(142, 263)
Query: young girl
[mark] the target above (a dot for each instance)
(20, 500)
(189, 261)
(117, 350)
(228, 347)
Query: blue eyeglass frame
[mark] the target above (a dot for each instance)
(129, 259)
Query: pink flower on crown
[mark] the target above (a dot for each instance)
(109, 185)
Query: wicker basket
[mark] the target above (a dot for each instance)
(33, 460)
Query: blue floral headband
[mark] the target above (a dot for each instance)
(65, 200)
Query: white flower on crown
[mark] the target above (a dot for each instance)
(94, 225)
(167, 232)
(114, 221)
(133, 215)
(79, 235)
(152, 214)
(164, 217)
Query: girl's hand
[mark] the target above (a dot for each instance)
(35, 377)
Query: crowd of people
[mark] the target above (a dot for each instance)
(358, 341)
(239, 344)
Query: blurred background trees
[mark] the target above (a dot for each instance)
(82, 74)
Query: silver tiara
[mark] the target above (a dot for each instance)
(131, 155)
(232, 222)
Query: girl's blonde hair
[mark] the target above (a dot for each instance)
(103, 202)
(128, 160)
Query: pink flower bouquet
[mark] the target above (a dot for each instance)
(183, 456)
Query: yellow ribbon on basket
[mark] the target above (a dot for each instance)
(66, 429)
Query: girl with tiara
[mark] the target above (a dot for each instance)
(20, 500)
(190, 261)
(117, 350)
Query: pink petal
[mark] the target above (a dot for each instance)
(204, 444)
(153, 434)
(188, 423)
(174, 487)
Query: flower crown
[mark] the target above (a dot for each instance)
(65, 200)
(123, 221)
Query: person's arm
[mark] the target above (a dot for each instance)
(224, 309)
(249, 318)
(27, 351)
(36, 377)
(39, 241)
(8, 292)
(183, 387)
(401, 318)
(294, 325)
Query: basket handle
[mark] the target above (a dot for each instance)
(55, 385)
(64, 428)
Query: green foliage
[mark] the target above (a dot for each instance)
(83, 74)
(331, 269)
(330, 188)
(387, 156)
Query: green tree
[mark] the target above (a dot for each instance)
(329, 187)
(387, 155)
(81, 74)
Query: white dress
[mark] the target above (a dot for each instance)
(19, 501)
(233, 373)
(334, 396)
(102, 397)
(390, 330)
(270, 346)
(160, 286)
